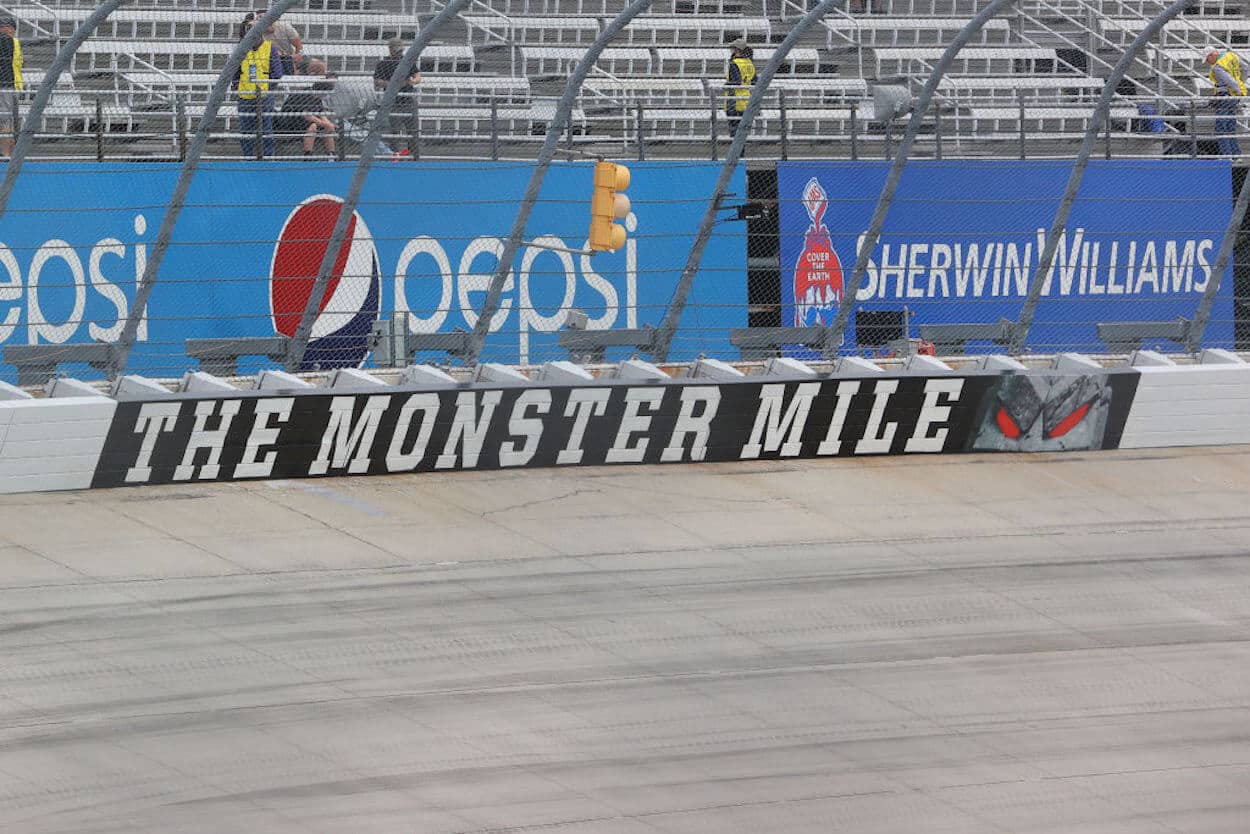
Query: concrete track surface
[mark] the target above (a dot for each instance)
(963, 644)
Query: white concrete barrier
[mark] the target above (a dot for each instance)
(1189, 405)
(284, 427)
(53, 443)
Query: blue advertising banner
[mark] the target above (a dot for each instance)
(963, 239)
(425, 240)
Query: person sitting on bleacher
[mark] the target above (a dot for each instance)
(739, 77)
(259, 69)
(1226, 76)
(10, 81)
(304, 113)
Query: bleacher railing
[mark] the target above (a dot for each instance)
(791, 124)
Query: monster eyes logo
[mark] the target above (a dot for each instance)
(1032, 413)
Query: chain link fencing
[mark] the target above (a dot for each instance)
(959, 248)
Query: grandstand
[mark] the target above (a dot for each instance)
(1023, 86)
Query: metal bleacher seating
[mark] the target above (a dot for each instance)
(494, 77)
(710, 63)
(207, 24)
(700, 31)
(887, 32)
(696, 93)
(210, 57)
(535, 30)
(558, 62)
(974, 61)
(1045, 89)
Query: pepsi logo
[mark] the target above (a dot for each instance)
(348, 309)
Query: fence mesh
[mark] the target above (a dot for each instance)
(957, 256)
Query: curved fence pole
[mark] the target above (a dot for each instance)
(554, 130)
(198, 143)
(833, 336)
(26, 136)
(677, 305)
(1020, 331)
(299, 343)
(1193, 339)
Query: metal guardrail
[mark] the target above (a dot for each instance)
(967, 123)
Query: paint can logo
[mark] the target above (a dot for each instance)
(817, 272)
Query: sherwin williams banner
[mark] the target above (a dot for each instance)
(424, 241)
(963, 238)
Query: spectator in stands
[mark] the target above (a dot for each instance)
(10, 81)
(1151, 122)
(386, 67)
(1226, 76)
(305, 113)
(382, 75)
(739, 77)
(259, 69)
(290, 45)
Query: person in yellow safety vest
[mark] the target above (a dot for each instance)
(1229, 86)
(739, 76)
(10, 81)
(260, 67)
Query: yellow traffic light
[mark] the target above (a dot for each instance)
(607, 205)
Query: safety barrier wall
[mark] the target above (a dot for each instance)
(1207, 405)
(52, 444)
(680, 421)
(358, 425)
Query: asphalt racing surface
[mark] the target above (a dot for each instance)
(942, 644)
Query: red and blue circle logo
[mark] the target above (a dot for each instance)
(348, 309)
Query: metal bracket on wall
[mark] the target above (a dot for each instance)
(767, 342)
(220, 357)
(36, 364)
(1127, 336)
(592, 345)
(949, 339)
(394, 345)
(391, 348)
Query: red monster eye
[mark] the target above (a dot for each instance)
(1007, 425)
(1070, 422)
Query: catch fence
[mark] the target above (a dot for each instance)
(153, 227)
